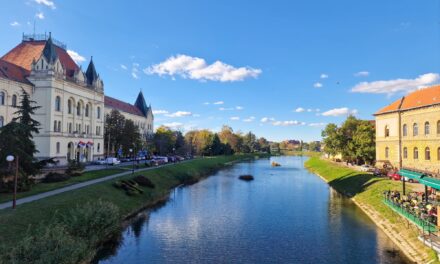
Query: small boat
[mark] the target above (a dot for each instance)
(275, 164)
(246, 177)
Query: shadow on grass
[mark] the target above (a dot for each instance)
(354, 183)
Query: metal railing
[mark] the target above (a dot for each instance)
(43, 37)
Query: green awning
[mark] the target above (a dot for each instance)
(431, 182)
(411, 174)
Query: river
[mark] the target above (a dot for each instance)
(286, 215)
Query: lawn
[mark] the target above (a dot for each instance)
(14, 223)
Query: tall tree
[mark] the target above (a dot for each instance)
(113, 131)
(164, 140)
(131, 138)
(332, 139)
(364, 142)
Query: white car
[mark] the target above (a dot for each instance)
(112, 161)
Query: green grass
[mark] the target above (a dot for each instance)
(300, 153)
(366, 189)
(13, 224)
(45, 187)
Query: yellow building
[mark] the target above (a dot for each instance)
(408, 131)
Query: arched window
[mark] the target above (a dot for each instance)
(99, 147)
(438, 153)
(59, 126)
(55, 124)
(58, 147)
(427, 154)
(387, 131)
(70, 127)
(426, 128)
(69, 106)
(98, 112)
(58, 103)
(14, 100)
(2, 98)
(405, 130)
(438, 127)
(405, 152)
(415, 129)
(86, 113)
(387, 152)
(2, 121)
(78, 109)
(416, 153)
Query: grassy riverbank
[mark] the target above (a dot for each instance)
(13, 224)
(367, 191)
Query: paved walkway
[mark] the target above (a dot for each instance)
(74, 187)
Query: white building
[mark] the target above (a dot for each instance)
(73, 104)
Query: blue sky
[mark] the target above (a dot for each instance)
(282, 69)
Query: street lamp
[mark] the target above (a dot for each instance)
(132, 156)
(10, 159)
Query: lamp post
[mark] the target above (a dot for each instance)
(10, 159)
(132, 156)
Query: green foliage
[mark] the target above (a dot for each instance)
(55, 177)
(75, 168)
(113, 130)
(164, 140)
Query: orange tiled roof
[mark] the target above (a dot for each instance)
(122, 106)
(423, 97)
(13, 72)
(25, 52)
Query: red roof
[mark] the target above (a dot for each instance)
(13, 72)
(27, 51)
(423, 97)
(122, 106)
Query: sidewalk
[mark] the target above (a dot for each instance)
(77, 186)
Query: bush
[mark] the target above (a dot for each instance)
(55, 177)
(75, 168)
(92, 222)
(143, 181)
(48, 244)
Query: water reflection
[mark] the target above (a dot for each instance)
(286, 215)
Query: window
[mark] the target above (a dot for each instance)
(59, 126)
(70, 127)
(387, 150)
(86, 113)
(87, 129)
(79, 128)
(405, 152)
(78, 109)
(405, 130)
(69, 106)
(58, 147)
(58, 103)
(2, 121)
(98, 112)
(55, 126)
(426, 128)
(438, 153)
(2, 98)
(14, 100)
(387, 131)
(427, 154)
(98, 132)
(438, 127)
(415, 129)
(416, 153)
(99, 147)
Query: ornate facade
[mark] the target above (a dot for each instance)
(73, 104)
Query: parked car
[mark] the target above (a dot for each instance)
(393, 175)
(112, 161)
(409, 180)
(99, 162)
(367, 168)
(379, 172)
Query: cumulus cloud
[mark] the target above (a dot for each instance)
(76, 57)
(299, 110)
(47, 3)
(249, 119)
(160, 112)
(226, 108)
(235, 118)
(323, 76)
(179, 114)
(267, 119)
(288, 123)
(362, 74)
(317, 85)
(317, 124)
(195, 68)
(14, 24)
(398, 85)
(218, 103)
(343, 111)
(39, 15)
(174, 125)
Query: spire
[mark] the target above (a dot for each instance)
(91, 72)
(140, 104)
(49, 51)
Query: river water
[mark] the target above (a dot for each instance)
(286, 215)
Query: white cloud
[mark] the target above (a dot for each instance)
(134, 75)
(14, 24)
(160, 112)
(267, 119)
(197, 69)
(317, 124)
(235, 118)
(239, 107)
(343, 111)
(323, 76)
(299, 110)
(250, 119)
(179, 114)
(39, 15)
(398, 85)
(362, 74)
(288, 123)
(206, 103)
(174, 125)
(76, 57)
(47, 3)
(226, 108)
(218, 103)
(123, 67)
(317, 85)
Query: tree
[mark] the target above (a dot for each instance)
(347, 130)
(131, 138)
(315, 146)
(264, 144)
(164, 140)
(179, 144)
(227, 136)
(114, 131)
(364, 142)
(332, 139)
